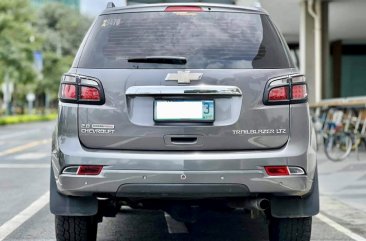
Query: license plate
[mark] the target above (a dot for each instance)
(184, 110)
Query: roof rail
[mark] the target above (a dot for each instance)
(110, 5)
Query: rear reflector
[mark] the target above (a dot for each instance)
(89, 93)
(183, 9)
(68, 91)
(89, 170)
(277, 170)
(278, 94)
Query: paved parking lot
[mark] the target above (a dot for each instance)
(24, 213)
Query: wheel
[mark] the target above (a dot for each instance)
(338, 147)
(72, 228)
(290, 229)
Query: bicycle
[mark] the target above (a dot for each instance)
(338, 141)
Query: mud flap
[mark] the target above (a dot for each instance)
(62, 205)
(297, 207)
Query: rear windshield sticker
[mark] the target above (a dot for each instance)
(111, 22)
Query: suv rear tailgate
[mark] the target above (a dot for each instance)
(242, 122)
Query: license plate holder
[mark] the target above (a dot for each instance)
(168, 110)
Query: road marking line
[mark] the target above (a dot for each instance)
(339, 228)
(31, 156)
(24, 147)
(24, 166)
(173, 225)
(10, 226)
(3, 137)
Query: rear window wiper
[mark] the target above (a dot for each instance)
(159, 60)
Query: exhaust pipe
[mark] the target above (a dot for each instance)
(260, 204)
(263, 204)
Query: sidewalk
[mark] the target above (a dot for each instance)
(343, 190)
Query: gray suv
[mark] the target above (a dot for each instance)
(182, 107)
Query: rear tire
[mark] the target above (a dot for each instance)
(73, 228)
(290, 229)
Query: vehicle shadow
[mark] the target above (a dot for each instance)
(140, 225)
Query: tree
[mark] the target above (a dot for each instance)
(62, 29)
(17, 42)
(54, 67)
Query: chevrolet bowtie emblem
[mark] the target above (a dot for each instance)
(184, 77)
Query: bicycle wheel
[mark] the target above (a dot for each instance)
(356, 142)
(338, 147)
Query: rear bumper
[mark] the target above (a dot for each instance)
(190, 184)
(238, 173)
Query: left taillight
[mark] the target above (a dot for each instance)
(81, 89)
(89, 93)
(286, 90)
(68, 91)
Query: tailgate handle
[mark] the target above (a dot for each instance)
(183, 140)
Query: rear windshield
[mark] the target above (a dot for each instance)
(208, 40)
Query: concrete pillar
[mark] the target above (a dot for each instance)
(307, 46)
(314, 45)
(325, 44)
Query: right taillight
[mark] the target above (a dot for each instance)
(286, 90)
(81, 89)
(278, 94)
(299, 92)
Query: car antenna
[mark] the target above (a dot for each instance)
(110, 5)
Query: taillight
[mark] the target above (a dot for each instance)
(183, 9)
(68, 91)
(299, 92)
(89, 93)
(81, 90)
(286, 90)
(278, 94)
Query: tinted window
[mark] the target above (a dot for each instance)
(208, 40)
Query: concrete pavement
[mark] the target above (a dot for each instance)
(24, 179)
(343, 190)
